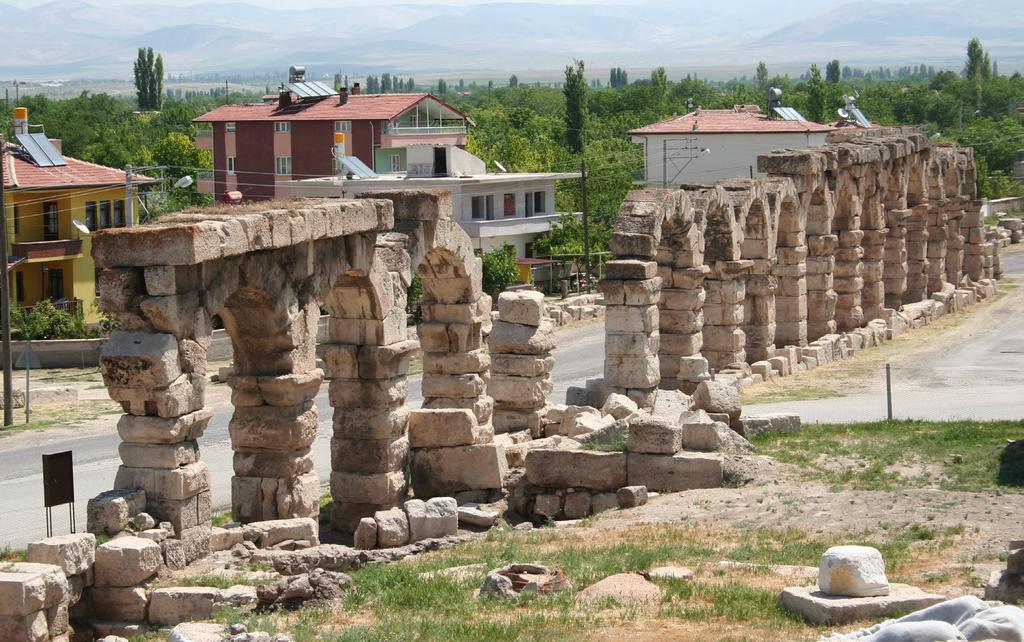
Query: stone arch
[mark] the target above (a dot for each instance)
(917, 192)
(791, 269)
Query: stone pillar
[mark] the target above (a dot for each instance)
(821, 297)
(632, 291)
(895, 273)
(917, 254)
(937, 231)
(725, 288)
(873, 273)
(520, 370)
(977, 253)
(452, 435)
(759, 314)
(791, 272)
(955, 242)
(681, 328)
(848, 280)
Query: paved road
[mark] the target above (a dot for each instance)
(578, 357)
(980, 378)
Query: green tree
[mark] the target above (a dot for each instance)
(499, 268)
(442, 87)
(158, 82)
(513, 81)
(45, 321)
(177, 151)
(832, 72)
(149, 72)
(815, 95)
(659, 86)
(762, 77)
(575, 91)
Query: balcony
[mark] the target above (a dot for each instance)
(396, 130)
(48, 250)
(204, 139)
(71, 306)
(508, 226)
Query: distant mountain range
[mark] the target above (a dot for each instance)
(74, 39)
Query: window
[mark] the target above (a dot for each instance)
(478, 207)
(231, 165)
(229, 128)
(510, 204)
(104, 214)
(19, 286)
(528, 251)
(396, 163)
(51, 231)
(283, 165)
(55, 281)
(119, 214)
(540, 204)
(282, 127)
(489, 200)
(17, 224)
(343, 126)
(90, 215)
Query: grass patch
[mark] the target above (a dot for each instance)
(7, 554)
(955, 455)
(391, 602)
(772, 393)
(63, 415)
(614, 443)
(213, 580)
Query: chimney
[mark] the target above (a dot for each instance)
(58, 144)
(21, 120)
(342, 95)
(356, 89)
(284, 98)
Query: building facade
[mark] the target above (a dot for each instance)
(257, 146)
(708, 145)
(50, 257)
(493, 209)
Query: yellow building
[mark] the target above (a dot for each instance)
(49, 256)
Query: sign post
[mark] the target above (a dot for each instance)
(58, 486)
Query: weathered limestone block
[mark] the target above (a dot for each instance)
(463, 386)
(371, 423)
(358, 393)
(119, 604)
(434, 428)
(518, 365)
(273, 428)
(649, 434)
(262, 498)
(140, 360)
(376, 488)
(440, 472)
(520, 392)
(852, 571)
(392, 528)
(271, 532)
(108, 513)
(157, 430)
(126, 561)
(640, 371)
(576, 469)
(183, 396)
(717, 397)
(170, 606)
(365, 537)
(436, 517)
(631, 496)
(31, 627)
(683, 471)
(619, 406)
(515, 338)
(525, 307)
(369, 455)
(168, 456)
(179, 483)
(74, 553)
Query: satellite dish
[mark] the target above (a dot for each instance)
(501, 167)
(80, 226)
(183, 182)
(843, 113)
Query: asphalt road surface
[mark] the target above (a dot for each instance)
(22, 517)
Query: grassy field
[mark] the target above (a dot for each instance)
(957, 455)
(62, 415)
(391, 602)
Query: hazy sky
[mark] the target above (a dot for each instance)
(305, 4)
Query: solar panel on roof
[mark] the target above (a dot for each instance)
(356, 167)
(788, 113)
(42, 151)
(860, 117)
(311, 89)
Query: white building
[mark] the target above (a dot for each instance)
(493, 208)
(707, 145)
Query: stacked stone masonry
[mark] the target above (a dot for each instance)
(756, 272)
(266, 275)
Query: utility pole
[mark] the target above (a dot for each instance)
(226, 94)
(129, 197)
(664, 163)
(5, 304)
(586, 208)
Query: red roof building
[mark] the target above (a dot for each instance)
(257, 145)
(707, 145)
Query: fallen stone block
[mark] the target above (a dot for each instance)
(436, 517)
(271, 532)
(576, 469)
(474, 514)
(392, 528)
(31, 627)
(126, 561)
(619, 406)
(223, 539)
(523, 306)
(852, 571)
(819, 608)
(73, 553)
(108, 513)
(119, 604)
(440, 472)
(717, 397)
(652, 435)
(683, 471)
(631, 496)
(175, 605)
(365, 536)
(786, 422)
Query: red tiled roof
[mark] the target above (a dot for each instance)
(745, 119)
(21, 173)
(358, 107)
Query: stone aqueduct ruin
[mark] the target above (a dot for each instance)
(706, 277)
